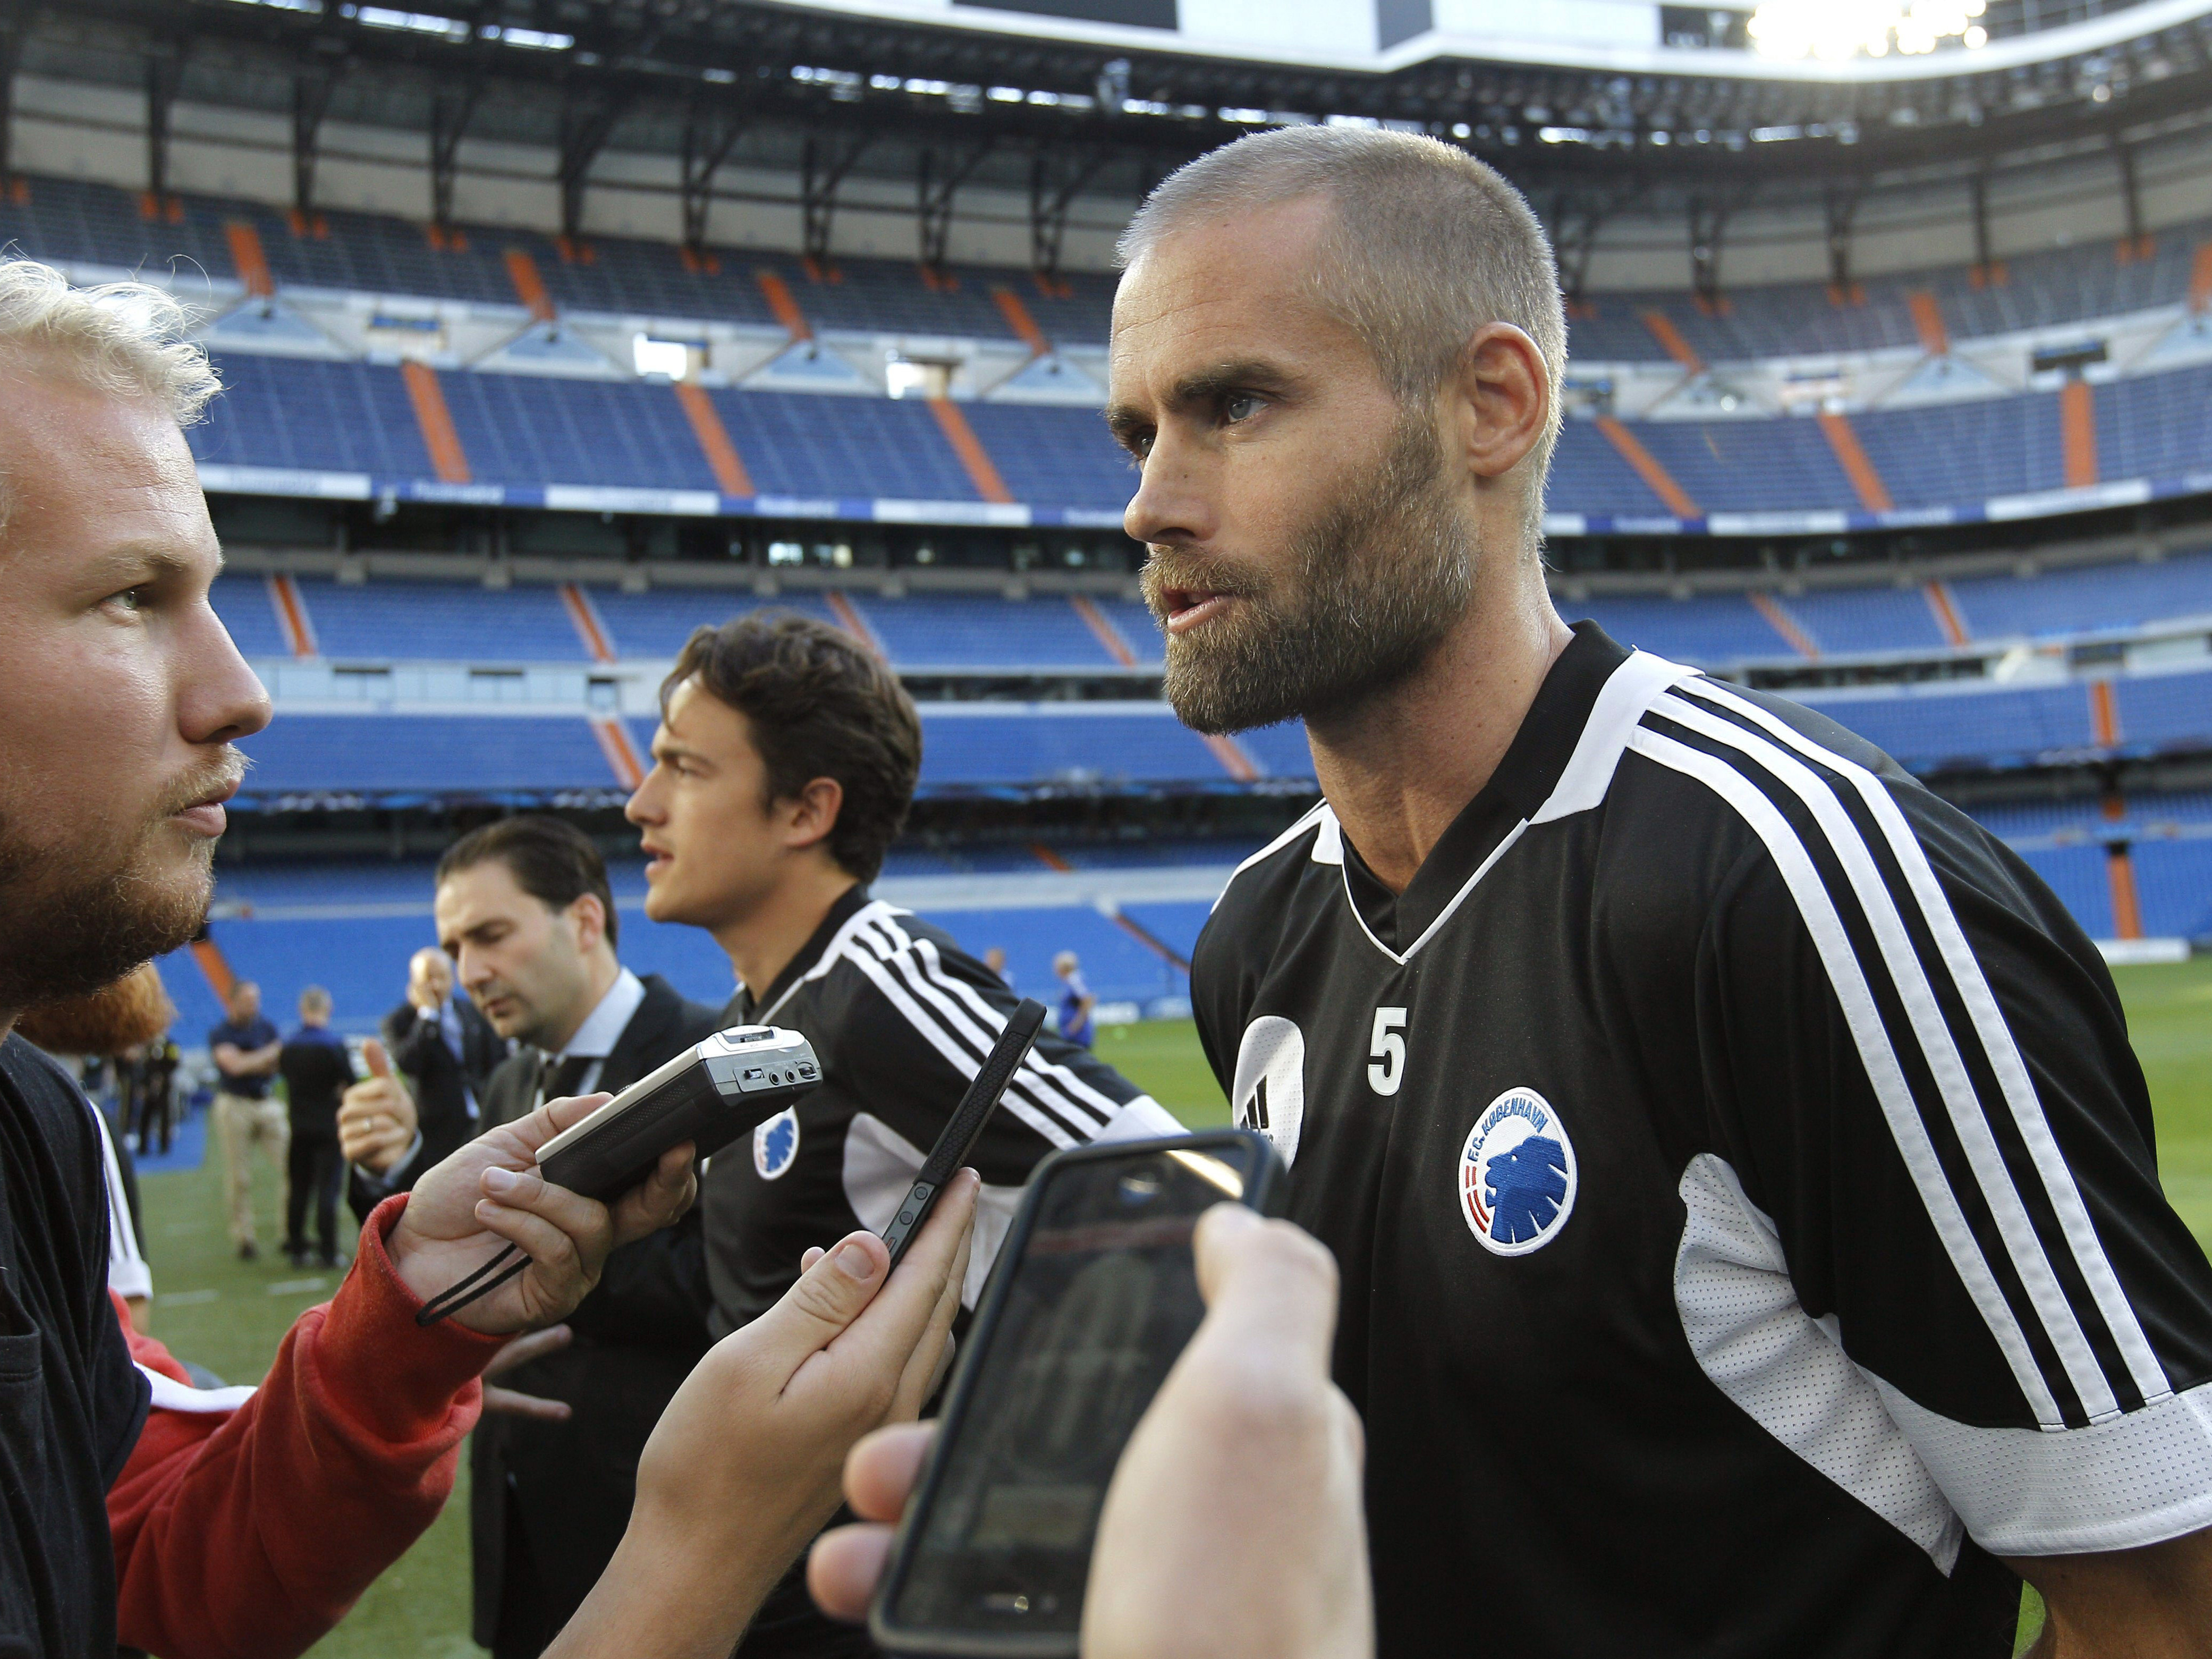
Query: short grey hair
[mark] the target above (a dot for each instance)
(1428, 246)
(127, 339)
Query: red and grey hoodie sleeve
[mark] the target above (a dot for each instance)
(248, 1521)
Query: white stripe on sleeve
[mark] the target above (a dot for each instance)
(1872, 1039)
(1961, 1104)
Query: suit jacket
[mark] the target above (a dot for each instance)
(441, 1085)
(567, 1487)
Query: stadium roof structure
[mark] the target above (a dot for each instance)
(973, 92)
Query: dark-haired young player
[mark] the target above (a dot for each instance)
(1752, 1238)
(783, 767)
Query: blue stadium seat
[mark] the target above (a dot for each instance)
(1757, 466)
(468, 755)
(657, 623)
(2078, 875)
(441, 621)
(1117, 967)
(1134, 621)
(2165, 711)
(1588, 476)
(2085, 599)
(1856, 619)
(1707, 631)
(538, 429)
(850, 446)
(1929, 729)
(2173, 888)
(961, 748)
(1943, 454)
(312, 416)
(1054, 457)
(1281, 751)
(958, 630)
(247, 610)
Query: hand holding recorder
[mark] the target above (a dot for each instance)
(489, 1197)
(742, 1468)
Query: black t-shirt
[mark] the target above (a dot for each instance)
(316, 1069)
(71, 1402)
(246, 1038)
(1743, 1188)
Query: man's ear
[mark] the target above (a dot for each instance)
(811, 814)
(1501, 397)
(590, 917)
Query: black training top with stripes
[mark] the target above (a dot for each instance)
(901, 1018)
(1744, 1190)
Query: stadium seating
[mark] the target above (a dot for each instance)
(520, 433)
(2087, 599)
(395, 758)
(447, 622)
(1850, 620)
(951, 631)
(82, 222)
(2173, 885)
(1932, 729)
(2080, 878)
(2038, 291)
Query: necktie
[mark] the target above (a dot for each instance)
(558, 1077)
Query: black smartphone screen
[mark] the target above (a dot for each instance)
(1101, 1298)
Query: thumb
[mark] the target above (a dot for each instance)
(373, 1057)
(828, 1298)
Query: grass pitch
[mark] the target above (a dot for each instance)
(229, 1316)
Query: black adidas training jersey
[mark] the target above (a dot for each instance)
(901, 1017)
(1743, 1187)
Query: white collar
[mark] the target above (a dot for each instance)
(603, 1027)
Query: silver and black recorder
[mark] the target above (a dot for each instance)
(708, 1095)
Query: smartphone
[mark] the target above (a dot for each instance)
(1094, 1296)
(963, 1129)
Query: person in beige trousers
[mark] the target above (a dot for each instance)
(245, 1048)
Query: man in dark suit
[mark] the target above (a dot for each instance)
(446, 1051)
(525, 910)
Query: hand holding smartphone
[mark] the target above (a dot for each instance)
(965, 1126)
(1094, 1298)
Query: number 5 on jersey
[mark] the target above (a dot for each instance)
(1387, 1052)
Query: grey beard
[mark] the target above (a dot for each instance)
(1375, 584)
(65, 932)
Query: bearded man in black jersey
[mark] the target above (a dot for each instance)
(1744, 1189)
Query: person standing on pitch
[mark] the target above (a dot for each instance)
(245, 1049)
(316, 1069)
(441, 1045)
(527, 917)
(1744, 1191)
(1076, 1001)
(784, 764)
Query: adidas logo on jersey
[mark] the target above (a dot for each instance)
(1270, 1086)
(1517, 1173)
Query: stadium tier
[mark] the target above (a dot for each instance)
(525, 416)
(275, 923)
(539, 439)
(2036, 290)
(80, 223)
(399, 621)
(394, 758)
